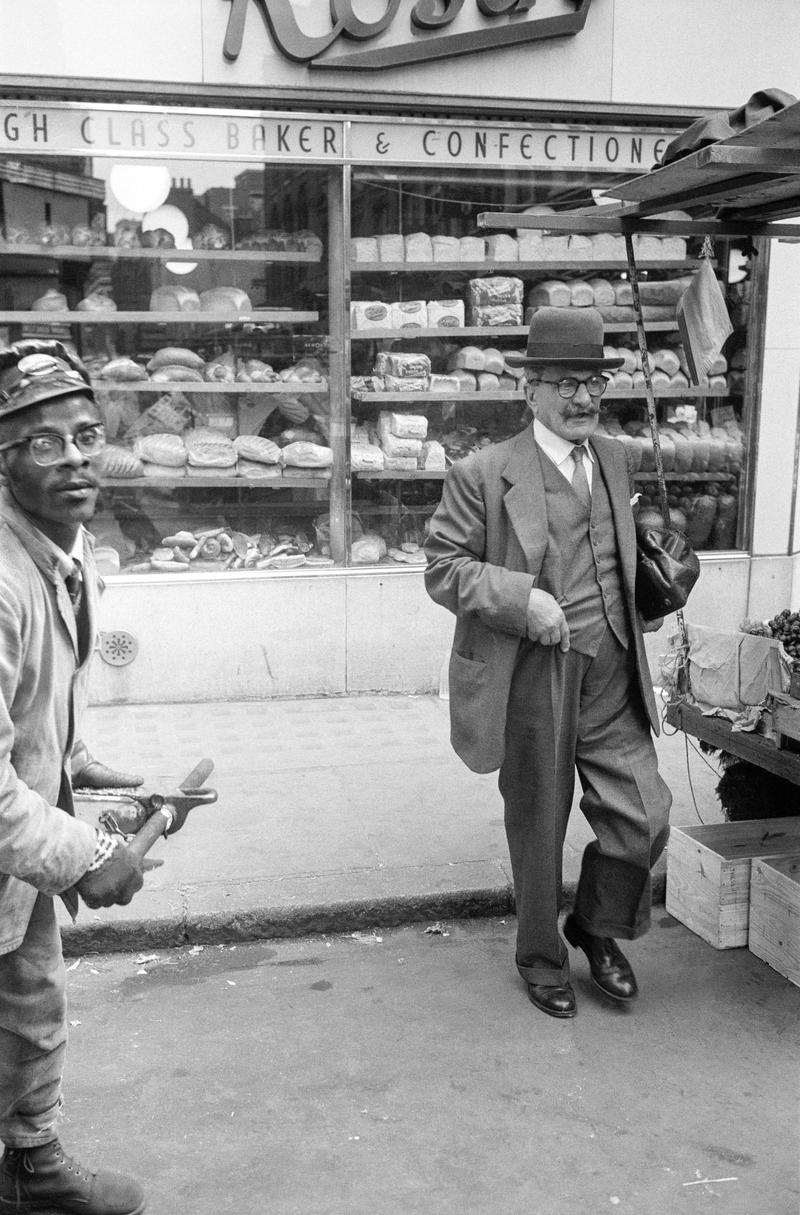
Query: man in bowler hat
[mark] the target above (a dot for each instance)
(533, 548)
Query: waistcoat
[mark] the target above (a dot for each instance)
(581, 565)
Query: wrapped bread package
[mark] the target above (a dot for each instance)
(399, 363)
(395, 445)
(446, 314)
(364, 249)
(502, 247)
(400, 463)
(370, 314)
(602, 291)
(580, 248)
(174, 299)
(307, 455)
(418, 247)
(366, 383)
(444, 383)
(495, 315)
(405, 383)
(404, 425)
(256, 448)
(445, 248)
(550, 293)
(581, 294)
(163, 448)
(366, 457)
(151, 469)
(432, 457)
(409, 314)
(497, 289)
(471, 249)
(199, 469)
(209, 448)
(257, 469)
(391, 248)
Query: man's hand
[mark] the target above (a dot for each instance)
(115, 882)
(95, 775)
(547, 624)
(651, 626)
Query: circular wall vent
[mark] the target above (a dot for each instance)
(118, 648)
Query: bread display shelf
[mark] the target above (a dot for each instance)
(581, 267)
(687, 476)
(209, 481)
(433, 398)
(257, 316)
(112, 253)
(488, 331)
(291, 387)
(389, 475)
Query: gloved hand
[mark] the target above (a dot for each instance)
(95, 775)
(115, 882)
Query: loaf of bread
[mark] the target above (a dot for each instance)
(178, 374)
(120, 462)
(445, 248)
(502, 247)
(124, 370)
(405, 383)
(622, 379)
(673, 248)
(579, 248)
(219, 371)
(96, 301)
(409, 314)
(530, 245)
(256, 371)
(51, 301)
(391, 248)
(174, 299)
(392, 444)
(488, 381)
(651, 292)
(209, 448)
(364, 249)
(366, 457)
(444, 383)
(471, 249)
(307, 455)
(666, 360)
(432, 457)
(255, 468)
(370, 314)
(175, 356)
(581, 294)
(608, 247)
(404, 425)
(602, 290)
(493, 361)
(550, 293)
(230, 301)
(446, 314)
(555, 246)
(466, 379)
(166, 449)
(418, 247)
(202, 469)
(151, 469)
(254, 447)
(646, 248)
(469, 358)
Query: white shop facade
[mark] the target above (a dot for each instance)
(256, 222)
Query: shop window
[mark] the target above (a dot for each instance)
(437, 305)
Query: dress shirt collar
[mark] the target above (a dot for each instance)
(559, 450)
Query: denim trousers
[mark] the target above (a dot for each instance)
(33, 1032)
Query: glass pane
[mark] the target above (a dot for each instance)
(437, 305)
(197, 295)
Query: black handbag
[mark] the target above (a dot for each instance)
(667, 568)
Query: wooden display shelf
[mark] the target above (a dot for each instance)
(745, 745)
(687, 476)
(257, 316)
(421, 474)
(432, 398)
(285, 481)
(112, 253)
(213, 386)
(585, 267)
(450, 333)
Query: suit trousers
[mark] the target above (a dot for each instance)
(33, 1032)
(569, 711)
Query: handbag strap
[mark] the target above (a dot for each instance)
(651, 408)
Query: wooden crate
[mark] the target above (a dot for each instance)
(708, 873)
(775, 914)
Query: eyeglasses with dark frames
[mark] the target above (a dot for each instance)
(596, 385)
(50, 448)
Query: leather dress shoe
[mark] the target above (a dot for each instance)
(556, 1000)
(610, 969)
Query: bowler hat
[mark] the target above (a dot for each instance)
(565, 337)
(35, 371)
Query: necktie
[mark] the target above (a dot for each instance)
(74, 584)
(580, 482)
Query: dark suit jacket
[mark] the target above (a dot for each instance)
(487, 542)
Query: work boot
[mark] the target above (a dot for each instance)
(44, 1179)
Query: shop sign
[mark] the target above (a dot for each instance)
(428, 30)
(97, 131)
(470, 145)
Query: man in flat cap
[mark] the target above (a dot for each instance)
(51, 435)
(533, 548)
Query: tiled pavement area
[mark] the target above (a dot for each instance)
(332, 814)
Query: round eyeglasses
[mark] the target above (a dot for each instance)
(595, 386)
(50, 448)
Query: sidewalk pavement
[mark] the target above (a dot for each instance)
(334, 814)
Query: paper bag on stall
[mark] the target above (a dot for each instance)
(703, 322)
